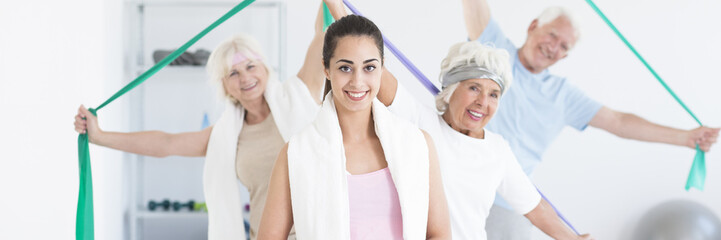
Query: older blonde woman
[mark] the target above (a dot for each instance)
(475, 163)
(260, 117)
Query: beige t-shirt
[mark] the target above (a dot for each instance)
(258, 147)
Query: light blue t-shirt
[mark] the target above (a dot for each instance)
(536, 107)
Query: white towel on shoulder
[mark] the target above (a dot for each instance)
(318, 182)
(292, 107)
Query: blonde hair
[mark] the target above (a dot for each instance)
(220, 61)
(473, 53)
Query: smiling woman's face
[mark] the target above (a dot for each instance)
(472, 105)
(354, 72)
(246, 80)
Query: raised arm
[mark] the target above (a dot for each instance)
(389, 87)
(278, 213)
(336, 8)
(476, 14)
(149, 143)
(439, 225)
(545, 218)
(630, 126)
(311, 73)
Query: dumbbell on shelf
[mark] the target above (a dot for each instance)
(178, 205)
(165, 204)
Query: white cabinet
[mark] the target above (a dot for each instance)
(178, 98)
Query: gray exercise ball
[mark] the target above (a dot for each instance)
(679, 220)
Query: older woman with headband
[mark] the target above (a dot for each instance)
(475, 163)
(358, 172)
(261, 115)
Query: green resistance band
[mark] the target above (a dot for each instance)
(697, 176)
(327, 17)
(84, 228)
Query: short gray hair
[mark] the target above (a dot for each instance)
(444, 97)
(553, 13)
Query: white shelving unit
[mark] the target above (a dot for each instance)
(177, 99)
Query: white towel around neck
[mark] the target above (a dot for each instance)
(292, 107)
(318, 182)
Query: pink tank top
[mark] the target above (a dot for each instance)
(375, 212)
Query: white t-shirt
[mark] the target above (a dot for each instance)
(473, 169)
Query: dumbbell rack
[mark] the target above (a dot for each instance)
(176, 100)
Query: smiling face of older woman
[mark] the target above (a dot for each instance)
(246, 80)
(472, 105)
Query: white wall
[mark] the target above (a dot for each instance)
(602, 183)
(56, 55)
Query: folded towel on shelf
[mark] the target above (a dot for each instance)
(199, 58)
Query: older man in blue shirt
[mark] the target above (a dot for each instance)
(539, 104)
